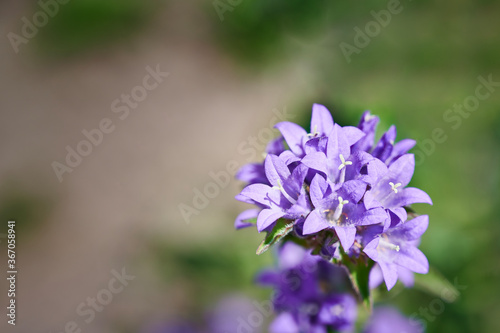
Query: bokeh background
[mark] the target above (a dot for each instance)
(228, 70)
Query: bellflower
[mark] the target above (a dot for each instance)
(390, 191)
(279, 198)
(398, 247)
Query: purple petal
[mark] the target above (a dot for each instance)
(371, 249)
(337, 144)
(316, 161)
(400, 213)
(373, 216)
(276, 170)
(258, 193)
(268, 277)
(411, 230)
(376, 277)
(245, 199)
(321, 120)
(408, 196)
(316, 144)
(401, 148)
(346, 236)
(291, 255)
(293, 185)
(275, 146)
(284, 323)
(413, 259)
(401, 171)
(317, 190)
(288, 157)
(314, 223)
(384, 147)
(293, 134)
(252, 173)
(368, 124)
(267, 217)
(246, 215)
(406, 276)
(376, 169)
(370, 201)
(353, 190)
(352, 134)
(390, 273)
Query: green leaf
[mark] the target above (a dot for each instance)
(359, 272)
(434, 283)
(280, 230)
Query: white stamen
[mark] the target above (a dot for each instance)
(344, 162)
(314, 132)
(342, 168)
(394, 187)
(286, 195)
(340, 207)
(386, 244)
(369, 117)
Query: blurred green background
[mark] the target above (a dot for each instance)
(426, 60)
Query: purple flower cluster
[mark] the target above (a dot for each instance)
(310, 294)
(342, 194)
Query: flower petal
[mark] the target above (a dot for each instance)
(346, 236)
(240, 223)
(257, 192)
(371, 249)
(276, 170)
(390, 273)
(352, 134)
(289, 157)
(406, 276)
(284, 323)
(337, 145)
(293, 134)
(412, 259)
(321, 120)
(401, 171)
(317, 190)
(314, 223)
(316, 161)
(384, 147)
(368, 124)
(412, 229)
(376, 277)
(408, 196)
(267, 217)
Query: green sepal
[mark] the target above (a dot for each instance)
(280, 230)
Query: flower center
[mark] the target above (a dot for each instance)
(394, 187)
(337, 310)
(334, 216)
(385, 244)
